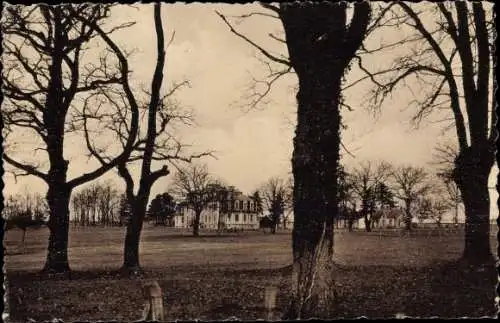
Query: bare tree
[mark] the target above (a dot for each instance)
(444, 159)
(43, 74)
(23, 211)
(454, 198)
(78, 209)
(450, 60)
(346, 198)
(156, 144)
(321, 43)
(196, 187)
(274, 196)
(410, 183)
(433, 208)
(366, 180)
(87, 204)
(107, 202)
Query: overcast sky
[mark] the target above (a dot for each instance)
(250, 147)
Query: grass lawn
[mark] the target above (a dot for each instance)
(217, 277)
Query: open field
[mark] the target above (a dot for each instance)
(216, 277)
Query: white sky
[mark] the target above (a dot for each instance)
(251, 147)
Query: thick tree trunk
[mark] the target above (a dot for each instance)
(58, 198)
(320, 47)
(313, 281)
(131, 263)
(314, 163)
(472, 174)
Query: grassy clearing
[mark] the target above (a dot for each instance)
(217, 277)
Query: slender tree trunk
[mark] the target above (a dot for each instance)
(219, 222)
(274, 223)
(407, 218)
(368, 223)
(148, 178)
(58, 197)
(196, 224)
(93, 215)
(23, 239)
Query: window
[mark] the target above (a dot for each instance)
(245, 217)
(235, 205)
(248, 205)
(241, 205)
(236, 217)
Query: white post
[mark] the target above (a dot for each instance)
(153, 302)
(270, 301)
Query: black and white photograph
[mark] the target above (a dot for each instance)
(176, 161)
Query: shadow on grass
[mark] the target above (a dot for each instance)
(445, 290)
(457, 289)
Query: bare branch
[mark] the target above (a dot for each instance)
(270, 7)
(276, 38)
(124, 81)
(29, 169)
(262, 50)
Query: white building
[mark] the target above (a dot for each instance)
(238, 211)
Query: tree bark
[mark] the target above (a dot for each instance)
(58, 197)
(471, 174)
(313, 289)
(131, 263)
(314, 164)
(320, 47)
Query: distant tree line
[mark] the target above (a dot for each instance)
(368, 189)
(97, 204)
(25, 205)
